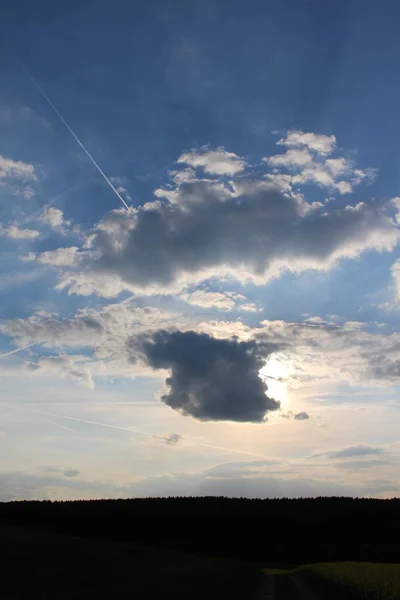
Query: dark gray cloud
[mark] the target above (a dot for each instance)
(301, 416)
(173, 439)
(211, 379)
(204, 226)
(351, 451)
(71, 473)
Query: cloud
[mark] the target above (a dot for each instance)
(61, 257)
(65, 366)
(90, 327)
(10, 169)
(240, 468)
(71, 473)
(214, 162)
(386, 369)
(105, 331)
(120, 184)
(53, 217)
(252, 233)
(206, 299)
(301, 416)
(211, 379)
(396, 277)
(320, 143)
(316, 353)
(22, 114)
(321, 352)
(311, 166)
(14, 232)
(219, 300)
(350, 452)
(17, 177)
(173, 439)
(291, 159)
(355, 465)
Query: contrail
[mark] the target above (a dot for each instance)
(141, 432)
(78, 141)
(16, 350)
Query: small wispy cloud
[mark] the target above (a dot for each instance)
(350, 452)
(16, 233)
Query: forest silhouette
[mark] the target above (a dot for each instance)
(282, 531)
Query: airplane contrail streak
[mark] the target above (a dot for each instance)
(15, 351)
(78, 141)
(141, 432)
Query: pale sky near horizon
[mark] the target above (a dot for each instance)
(199, 249)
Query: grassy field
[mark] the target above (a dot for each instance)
(346, 580)
(40, 565)
(360, 581)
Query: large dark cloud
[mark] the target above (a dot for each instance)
(203, 227)
(211, 379)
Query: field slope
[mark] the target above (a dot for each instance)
(37, 564)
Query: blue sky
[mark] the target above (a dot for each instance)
(256, 147)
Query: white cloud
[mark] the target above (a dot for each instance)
(396, 204)
(16, 177)
(53, 217)
(16, 169)
(28, 192)
(339, 166)
(65, 366)
(219, 300)
(16, 233)
(206, 299)
(61, 257)
(396, 277)
(320, 143)
(215, 162)
(310, 165)
(291, 159)
(88, 283)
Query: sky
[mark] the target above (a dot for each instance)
(199, 249)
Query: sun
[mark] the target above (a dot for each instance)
(275, 373)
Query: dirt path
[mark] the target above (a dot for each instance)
(305, 593)
(289, 587)
(285, 587)
(266, 591)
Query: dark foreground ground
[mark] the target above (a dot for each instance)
(35, 564)
(42, 565)
(324, 549)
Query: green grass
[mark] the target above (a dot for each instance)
(345, 580)
(41, 565)
(358, 581)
